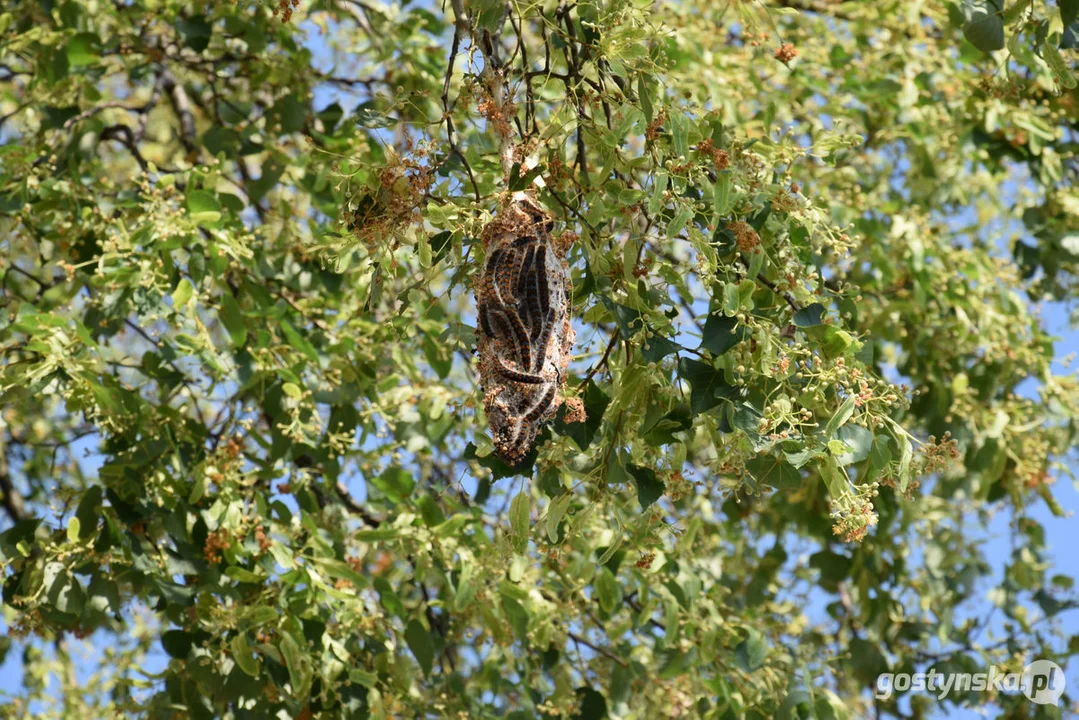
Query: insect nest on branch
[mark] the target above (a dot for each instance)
(525, 337)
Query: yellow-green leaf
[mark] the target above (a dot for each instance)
(182, 294)
(520, 510)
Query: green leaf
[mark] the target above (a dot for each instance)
(835, 478)
(367, 116)
(1056, 63)
(517, 616)
(608, 591)
(774, 471)
(488, 16)
(438, 356)
(658, 347)
(207, 218)
(679, 133)
(591, 703)
(233, 320)
(430, 511)
(809, 316)
(341, 570)
(836, 343)
(183, 292)
(985, 28)
(1016, 9)
(395, 483)
(298, 341)
(768, 116)
(177, 643)
(657, 200)
(751, 652)
(196, 32)
(800, 458)
(880, 455)
(73, 527)
(644, 94)
(422, 646)
(241, 653)
(732, 299)
(610, 551)
(867, 661)
(257, 616)
(466, 588)
(82, 49)
(595, 406)
(858, 440)
(520, 523)
(1069, 11)
(721, 333)
(299, 676)
(721, 194)
(273, 167)
(833, 567)
(906, 454)
(290, 112)
(616, 471)
(756, 263)
(498, 467)
(629, 320)
(679, 419)
(89, 511)
(842, 415)
(649, 487)
(555, 511)
(679, 221)
(103, 595)
(222, 140)
(708, 386)
(202, 201)
(243, 575)
(377, 535)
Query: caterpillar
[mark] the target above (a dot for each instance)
(524, 335)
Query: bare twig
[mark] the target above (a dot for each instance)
(460, 27)
(183, 377)
(124, 135)
(603, 361)
(181, 105)
(598, 648)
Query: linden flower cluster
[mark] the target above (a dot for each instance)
(720, 157)
(782, 413)
(938, 455)
(216, 542)
(853, 514)
(303, 425)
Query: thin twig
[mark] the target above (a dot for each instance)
(596, 648)
(603, 361)
(172, 363)
(460, 26)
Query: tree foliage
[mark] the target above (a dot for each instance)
(243, 445)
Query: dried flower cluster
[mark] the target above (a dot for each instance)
(785, 53)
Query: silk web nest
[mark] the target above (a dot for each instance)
(525, 337)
